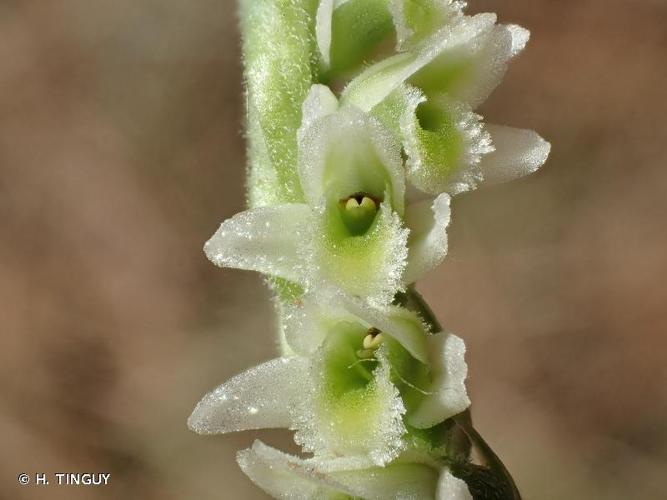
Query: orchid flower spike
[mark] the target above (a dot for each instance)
(354, 155)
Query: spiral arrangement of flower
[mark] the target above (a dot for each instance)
(361, 125)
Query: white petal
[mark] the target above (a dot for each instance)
(403, 325)
(264, 239)
(427, 245)
(520, 37)
(409, 32)
(284, 476)
(288, 477)
(396, 481)
(491, 56)
(452, 488)
(308, 322)
(319, 103)
(379, 80)
(305, 323)
(323, 29)
(349, 152)
(449, 369)
(518, 152)
(262, 397)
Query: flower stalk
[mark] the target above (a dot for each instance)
(361, 127)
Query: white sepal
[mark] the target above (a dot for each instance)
(427, 244)
(519, 152)
(448, 395)
(259, 398)
(452, 488)
(268, 239)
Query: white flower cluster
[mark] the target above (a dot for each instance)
(350, 202)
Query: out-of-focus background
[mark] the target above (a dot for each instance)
(120, 152)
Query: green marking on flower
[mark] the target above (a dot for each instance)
(410, 376)
(350, 250)
(439, 137)
(357, 28)
(444, 74)
(286, 291)
(449, 62)
(444, 140)
(350, 359)
(416, 20)
(358, 409)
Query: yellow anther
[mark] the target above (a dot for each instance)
(351, 204)
(368, 203)
(373, 341)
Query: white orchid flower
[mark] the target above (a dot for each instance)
(426, 96)
(288, 477)
(357, 394)
(353, 232)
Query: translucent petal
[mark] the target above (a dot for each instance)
(427, 245)
(356, 410)
(306, 323)
(416, 20)
(518, 152)
(396, 481)
(399, 109)
(269, 240)
(452, 488)
(309, 320)
(370, 265)
(520, 37)
(349, 152)
(277, 44)
(358, 27)
(485, 63)
(448, 392)
(323, 30)
(262, 397)
(319, 103)
(288, 477)
(381, 79)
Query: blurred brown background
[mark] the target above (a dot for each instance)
(121, 151)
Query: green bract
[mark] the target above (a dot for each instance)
(278, 48)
